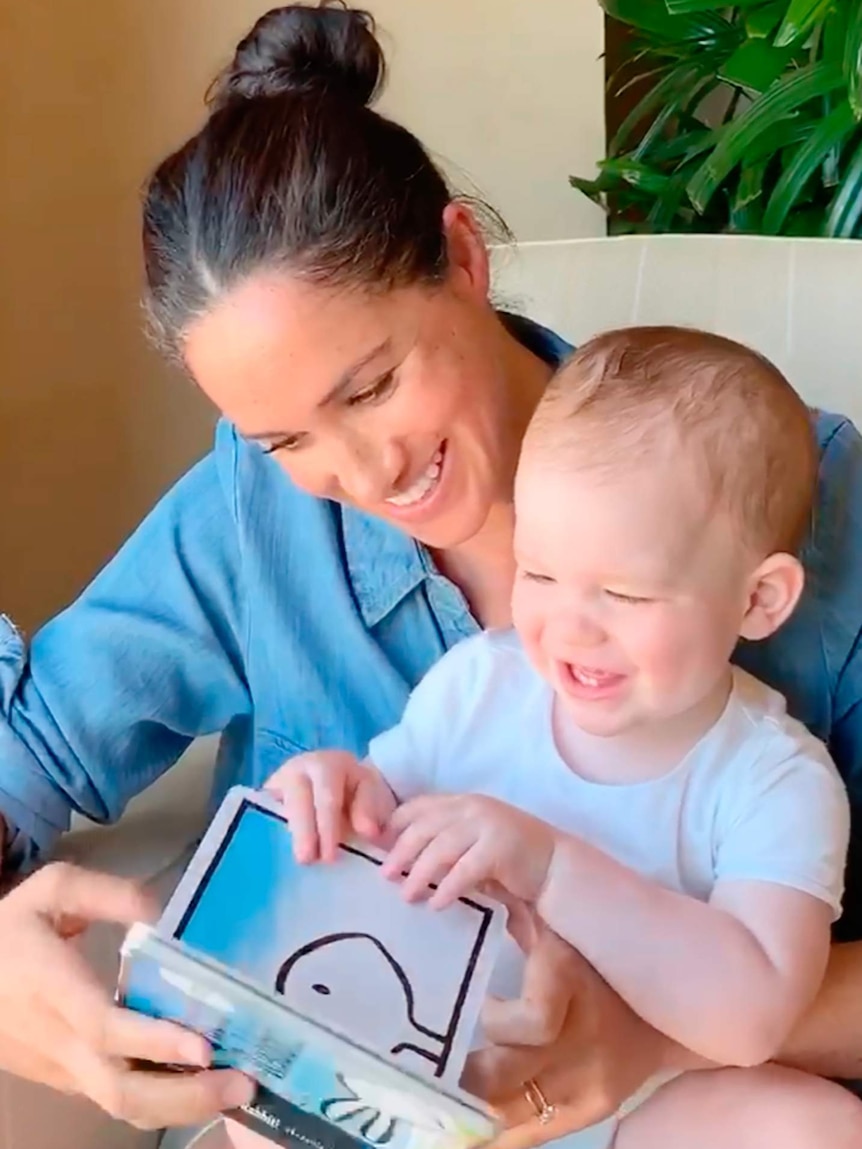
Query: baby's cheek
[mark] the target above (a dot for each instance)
(666, 650)
(685, 656)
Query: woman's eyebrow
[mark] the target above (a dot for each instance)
(347, 378)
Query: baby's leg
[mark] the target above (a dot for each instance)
(764, 1108)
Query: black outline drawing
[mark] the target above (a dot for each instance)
(331, 1109)
(397, 969)
(484, 912)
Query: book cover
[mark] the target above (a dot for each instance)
(353, 1010)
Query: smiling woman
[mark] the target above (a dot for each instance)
(387, 401)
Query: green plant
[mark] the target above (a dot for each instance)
(749, 119)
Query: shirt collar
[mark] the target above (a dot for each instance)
(384, 564)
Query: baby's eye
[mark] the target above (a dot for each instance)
(534, 576)
(629, 598)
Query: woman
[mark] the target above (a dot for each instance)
(308, 266)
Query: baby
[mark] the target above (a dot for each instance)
(605, 763)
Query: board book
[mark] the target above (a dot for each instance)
(352, 1009)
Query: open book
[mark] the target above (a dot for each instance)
(352, 1009)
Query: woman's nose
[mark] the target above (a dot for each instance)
(369, 473)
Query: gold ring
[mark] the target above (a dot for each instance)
(539, 1102)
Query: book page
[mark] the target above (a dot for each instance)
(337, 941)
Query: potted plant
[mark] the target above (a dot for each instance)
(748, 119)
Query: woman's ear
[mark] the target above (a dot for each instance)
(467, 250)
(774, 591)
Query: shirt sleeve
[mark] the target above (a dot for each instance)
(842, 466)
(787, 821)
(409, 755)
(112, 691)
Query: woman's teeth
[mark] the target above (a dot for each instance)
(422, 486)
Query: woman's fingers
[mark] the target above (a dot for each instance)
(21, 1060)
(71, 898)
(155, 1099)
(59, 1026)
(524, 1130)
(550, 984)
(497, 1074)
(136, 1037)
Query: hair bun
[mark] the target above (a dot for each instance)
(330, 49)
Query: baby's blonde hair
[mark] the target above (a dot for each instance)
(625, 394)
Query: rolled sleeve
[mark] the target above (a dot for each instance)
(111, 692)
(35, 812)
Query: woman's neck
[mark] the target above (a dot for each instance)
(483, 567)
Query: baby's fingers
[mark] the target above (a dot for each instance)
(434, 865)
(295, 792)
(329, 799)
(408, 846)
(372, 807)
(463, 876)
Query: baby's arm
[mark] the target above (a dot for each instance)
(726, 979)
(729, 978)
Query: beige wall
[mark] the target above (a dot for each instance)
(92, 92)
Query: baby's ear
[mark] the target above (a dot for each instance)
(774, 590)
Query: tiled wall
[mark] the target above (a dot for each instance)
(797, 301)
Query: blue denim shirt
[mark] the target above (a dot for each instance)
(244, 606)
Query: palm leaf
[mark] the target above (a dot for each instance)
(762, 21)
(746, 206)
(776, 150)
(679, 80)
(755, 65)
(801, 18)
(652, 16)
(785, 97)
(853, 60)
(681, 7)
(829, 134)
(846, 207)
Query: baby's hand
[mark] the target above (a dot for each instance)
(457, 842)
(327, 793)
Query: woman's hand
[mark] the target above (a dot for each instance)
(571, 1034)
(59, 1027)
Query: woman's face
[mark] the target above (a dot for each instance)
(395, 403)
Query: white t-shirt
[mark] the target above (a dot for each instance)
(758, 797)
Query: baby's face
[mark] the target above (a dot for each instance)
(630, 590)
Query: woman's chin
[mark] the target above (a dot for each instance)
(446, 532)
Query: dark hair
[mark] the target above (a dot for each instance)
(292, 169)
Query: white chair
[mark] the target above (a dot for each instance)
(792, 299)
(795, 300)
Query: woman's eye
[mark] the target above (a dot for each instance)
(290, 443)
(377, 391)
